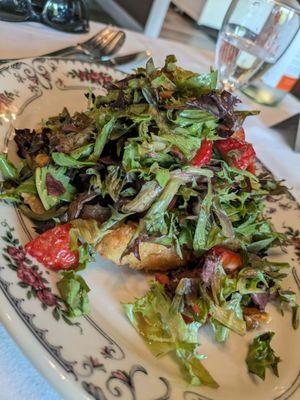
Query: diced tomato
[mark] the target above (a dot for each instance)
(251, 168)
(187, 319)
(163, 279)
(239, 134)
(203, 155)
(196, 309)
(52, 248)
(236, 152)
(229, 259)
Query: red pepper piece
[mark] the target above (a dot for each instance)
(196, 309)
(187, 319)
(52, 249)
(251, 168)
(236, 152)
(203, 155)
(229, 259)
(162, 278)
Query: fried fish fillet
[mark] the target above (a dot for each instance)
(153, 256)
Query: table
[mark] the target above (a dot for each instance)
(18, 378)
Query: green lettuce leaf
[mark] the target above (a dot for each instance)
(201, 232)
(203, 82)
(74, 291)
(227, 317)
(59, 174)
(7, 169)
(159, 321)
(144, 199)
(191, 360)
(261, 355)
(65, 160)
(83, 151)
(154, 220)
(102, 138)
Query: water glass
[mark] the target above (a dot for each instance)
(254, 32)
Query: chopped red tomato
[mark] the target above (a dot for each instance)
(229, 259)
(162, 278)
(52, 248)
(203, 155)
(187, 319)
(196, 309)
(236, 152)
(251, 168)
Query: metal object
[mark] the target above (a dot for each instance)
(136, 58)
(100, 46)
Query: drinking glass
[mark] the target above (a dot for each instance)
(254, 32)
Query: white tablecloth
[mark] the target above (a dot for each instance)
(18, 379)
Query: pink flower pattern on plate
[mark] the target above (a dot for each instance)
(30, 277)
(89, 75)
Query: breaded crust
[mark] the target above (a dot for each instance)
(153, 256)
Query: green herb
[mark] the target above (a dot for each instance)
(161, 325)
(64, 160)
(201, 232)
(8, 170)
(261, 355)
(74, 291)
(144, 199)
(103, 137)
(59, 174)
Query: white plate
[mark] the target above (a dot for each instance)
(102, 357)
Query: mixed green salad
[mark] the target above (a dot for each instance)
(163, 150)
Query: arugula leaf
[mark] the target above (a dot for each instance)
(261, 355)
(198, 374)
(83, 151)
(8, 170)
(102, 137)
(27, 186)
(288, 298)
(200, 237)
(114, 182)
(203, 82)
(230, 315)
(65, 160)
(154, 219)
(74, 291)
(144, 199)
(163, 81)
(181, 138)
(162, 176)
(10, 196)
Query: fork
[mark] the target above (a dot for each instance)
(100, 46)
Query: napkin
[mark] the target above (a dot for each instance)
(19, 379)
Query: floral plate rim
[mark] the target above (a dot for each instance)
(39, 78)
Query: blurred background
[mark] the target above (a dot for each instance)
(194, 22)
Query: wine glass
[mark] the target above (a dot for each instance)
(254, 32)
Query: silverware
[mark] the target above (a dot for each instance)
(103, 44)
(136, 58)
